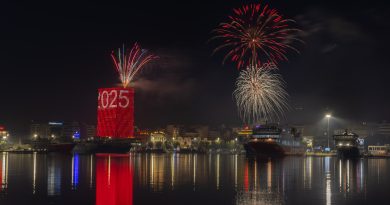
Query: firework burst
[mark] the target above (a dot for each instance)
(260, 94)
(255, 35)
(130, 63)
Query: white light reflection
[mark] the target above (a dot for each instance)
(91, 171)
(173, 170)
(348, 176)
(217, 171)
(235, 170)
(194, 177)
(53, 178)
(269, 175)
(328, 180)
(361, 175)
(4, 171)
(255, 184)
(34, 170)
(340, 175)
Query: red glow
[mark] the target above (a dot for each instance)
(1, 175)
(114, 181)
(115, 112)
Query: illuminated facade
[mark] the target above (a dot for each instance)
(46, 130)
(115, 113)
(4, 134)
(158, 137)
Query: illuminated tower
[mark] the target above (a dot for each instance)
(115, 113)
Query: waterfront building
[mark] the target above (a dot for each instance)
(184, 142)
(62, 130)
(71, 130)
(87, 131)
(384, 129)
(4, 134)
(379, 150)
(157, 136)
(39, 130)
(158, 139)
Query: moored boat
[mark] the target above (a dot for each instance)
(267, 140)
(347, 144)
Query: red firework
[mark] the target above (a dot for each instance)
(255, 35)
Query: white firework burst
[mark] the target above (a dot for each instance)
(260, 94)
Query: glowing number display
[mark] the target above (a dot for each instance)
(115, 112)
(111, 99)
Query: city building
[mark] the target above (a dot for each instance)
(184, 142)
(379, 150)
(39, 130)
(158, 140)
(158, 136)
(4, 134)
(62, 130)
(87, 131)
(71, 130)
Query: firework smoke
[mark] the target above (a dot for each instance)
(260, 94)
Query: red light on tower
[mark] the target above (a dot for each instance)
(115, 112)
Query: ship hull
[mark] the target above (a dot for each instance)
(113, 146)
(272, 149)
(350, 152)
(53, 147)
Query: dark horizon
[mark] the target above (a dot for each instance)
(55, 56)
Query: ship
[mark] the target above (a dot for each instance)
(46, 145)
(347, 144)
(267, 140)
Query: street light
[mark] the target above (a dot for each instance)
(328, 116)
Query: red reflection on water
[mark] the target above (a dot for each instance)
(114, 180)
(1, 175)
(246, 176)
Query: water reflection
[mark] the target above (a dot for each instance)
(75, 171)
(262, 183)
(328, 190)
(34, 172)
(91, 168)
(4, 172)
(351, 176)
(114, 180)
(174, 178)
(307, 172)
(53, 177)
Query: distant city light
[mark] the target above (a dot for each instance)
(55, 123)
(76, 135)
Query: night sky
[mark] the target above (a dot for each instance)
(56, 54)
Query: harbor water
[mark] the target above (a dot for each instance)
(190, 179)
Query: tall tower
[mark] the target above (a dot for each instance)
(115, 113)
